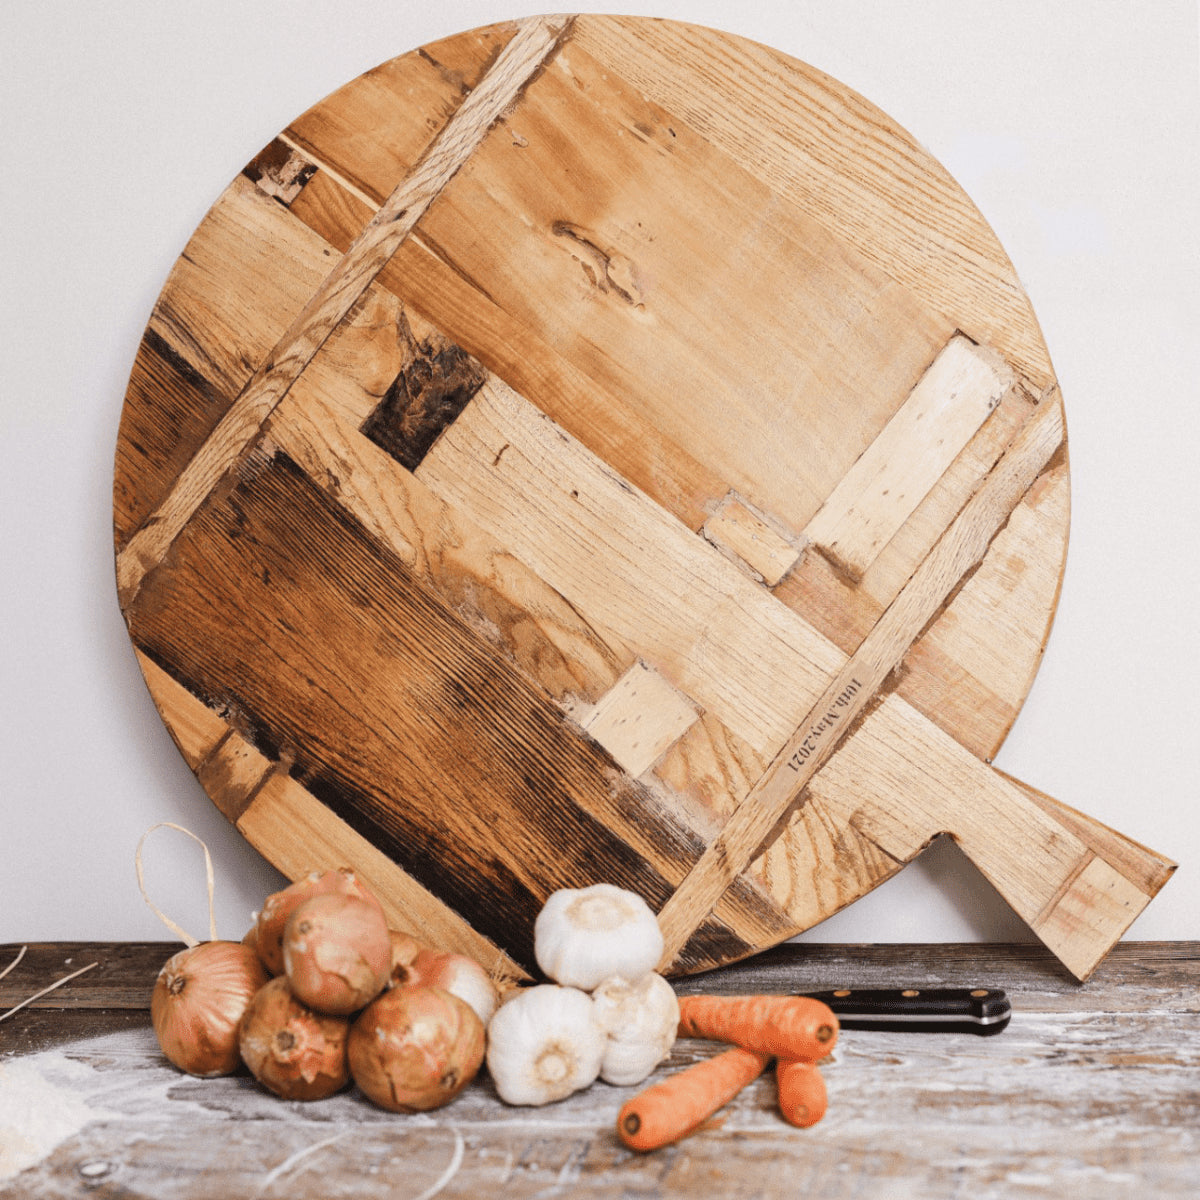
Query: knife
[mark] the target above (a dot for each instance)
(984, 1011)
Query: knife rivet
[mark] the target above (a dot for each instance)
(910, 992)
(842, 992)
(979, 992)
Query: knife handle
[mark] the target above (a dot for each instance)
(984, 1011)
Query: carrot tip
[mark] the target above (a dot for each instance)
(631, 1124)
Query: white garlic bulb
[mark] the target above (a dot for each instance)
(640, 1021)
(544, 1044)
(583, 936)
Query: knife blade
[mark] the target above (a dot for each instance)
(983, 1011)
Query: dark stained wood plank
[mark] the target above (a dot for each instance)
(175, 408)
(471, 780)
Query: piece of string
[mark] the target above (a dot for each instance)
(38, 995)
(181, 933)
(20, 955)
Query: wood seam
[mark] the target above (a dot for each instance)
(519, 62)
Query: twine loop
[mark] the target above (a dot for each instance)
(178, 930)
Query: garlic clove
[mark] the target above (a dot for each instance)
(544, 1044)
(582, 936)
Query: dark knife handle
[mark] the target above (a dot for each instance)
(920, 1010)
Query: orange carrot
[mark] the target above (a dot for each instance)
(673, 1107)
(802, 1097)
(783, 1026)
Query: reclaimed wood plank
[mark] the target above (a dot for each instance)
(594, 244)
(876, 496)
(840, 160)
(336, 293)
(639, 718)
(1089, 1085)
(752, 539)
(440, 786)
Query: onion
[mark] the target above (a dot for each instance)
(292, 1051)
(415, 1048)
(337, 952)
(405, 949)
(198, 999)
(279, 906)
(460, 976)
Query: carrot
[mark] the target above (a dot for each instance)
(673, 1107)
(802, 1097)
(782, 1026)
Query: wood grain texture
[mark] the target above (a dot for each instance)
(337, 292)
(464, 472)
(1090, 1087)
(834, 155)
(856, 685)
(438, 785)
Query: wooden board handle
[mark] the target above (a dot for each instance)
(1098, 896)
(1078, 884)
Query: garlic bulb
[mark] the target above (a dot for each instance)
(583, 936)
(640, 1021)
(544, 1044)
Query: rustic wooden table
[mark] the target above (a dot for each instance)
(1095, 1087)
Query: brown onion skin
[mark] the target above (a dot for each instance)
(278, 907)
(198, 1001)
(405, 950)
(460, 975)
(415, 1048)
(291, 1050)
(337, 953)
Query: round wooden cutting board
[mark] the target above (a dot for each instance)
(530, 434)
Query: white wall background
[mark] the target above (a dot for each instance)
(1075, 127)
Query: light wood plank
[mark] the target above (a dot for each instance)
(639, 718)
(736, 528)
(840, 160)
(1098, 904)
(337, 293)
(878, 494)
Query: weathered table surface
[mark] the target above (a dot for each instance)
(1093, 1087)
